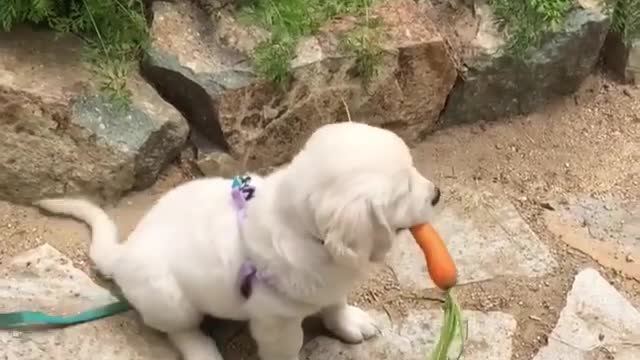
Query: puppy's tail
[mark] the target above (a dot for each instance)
(104, 244)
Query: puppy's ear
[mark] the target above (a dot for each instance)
(382, 234)
(344, 238)
(358, 234)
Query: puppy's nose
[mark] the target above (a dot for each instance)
(436, 197)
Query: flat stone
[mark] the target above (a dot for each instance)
(607, 229)
(414, 337)
(486, 237)
(43, 279)
(497, 85)
(61, 136)
(203, 68)
(597, 323)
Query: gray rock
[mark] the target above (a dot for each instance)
(44, 280)
(607, 229)
(597, 323)
(486, 237)
(497, 85)
(59, 136)
(203, 69)
(414, 337)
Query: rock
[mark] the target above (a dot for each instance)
(606, 229)
(597, 321)
(218, 164)
(623, 60)
(203, 69)
(44, 280)
(60, 136)
(498, 85)
(414, 337)
(486, 237)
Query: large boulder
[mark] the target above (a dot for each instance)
(201, 65)
(59, 135)
(496, 84)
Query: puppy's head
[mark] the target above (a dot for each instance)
(361, 189)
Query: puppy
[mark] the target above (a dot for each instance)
(270, 250)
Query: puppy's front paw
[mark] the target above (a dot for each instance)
(349, 323)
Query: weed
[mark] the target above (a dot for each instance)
(115, 32)
(363, 43)
(290, 20)
(527, 22)
(625, 18)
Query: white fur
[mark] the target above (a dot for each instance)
(315, 226)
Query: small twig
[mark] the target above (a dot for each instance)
(530, 138)
(422, 297)
(384, 307)
(452, 175)
(595, 346)
(346, 108)
(395, 275)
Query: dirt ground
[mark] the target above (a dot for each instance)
(587, 143)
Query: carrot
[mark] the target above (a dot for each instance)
(440, 265)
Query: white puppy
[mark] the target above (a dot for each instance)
(295, 248)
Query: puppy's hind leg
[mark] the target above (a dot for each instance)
(194, 345)
(277, 338)
(181, 323)
(163, 306)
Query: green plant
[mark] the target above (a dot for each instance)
(115, 32)
(290, 20)
(527, 22)
(271, 58)
(363, 42)
(625, 18)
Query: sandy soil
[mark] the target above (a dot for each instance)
(587, 143)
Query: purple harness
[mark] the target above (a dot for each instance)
(241, 192)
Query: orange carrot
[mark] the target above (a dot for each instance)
(440, 265)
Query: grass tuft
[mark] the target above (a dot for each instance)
(290, 20)
(115, 32)
(625, 19)
(527, 22)
(363, 43)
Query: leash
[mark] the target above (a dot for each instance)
(26, 319)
